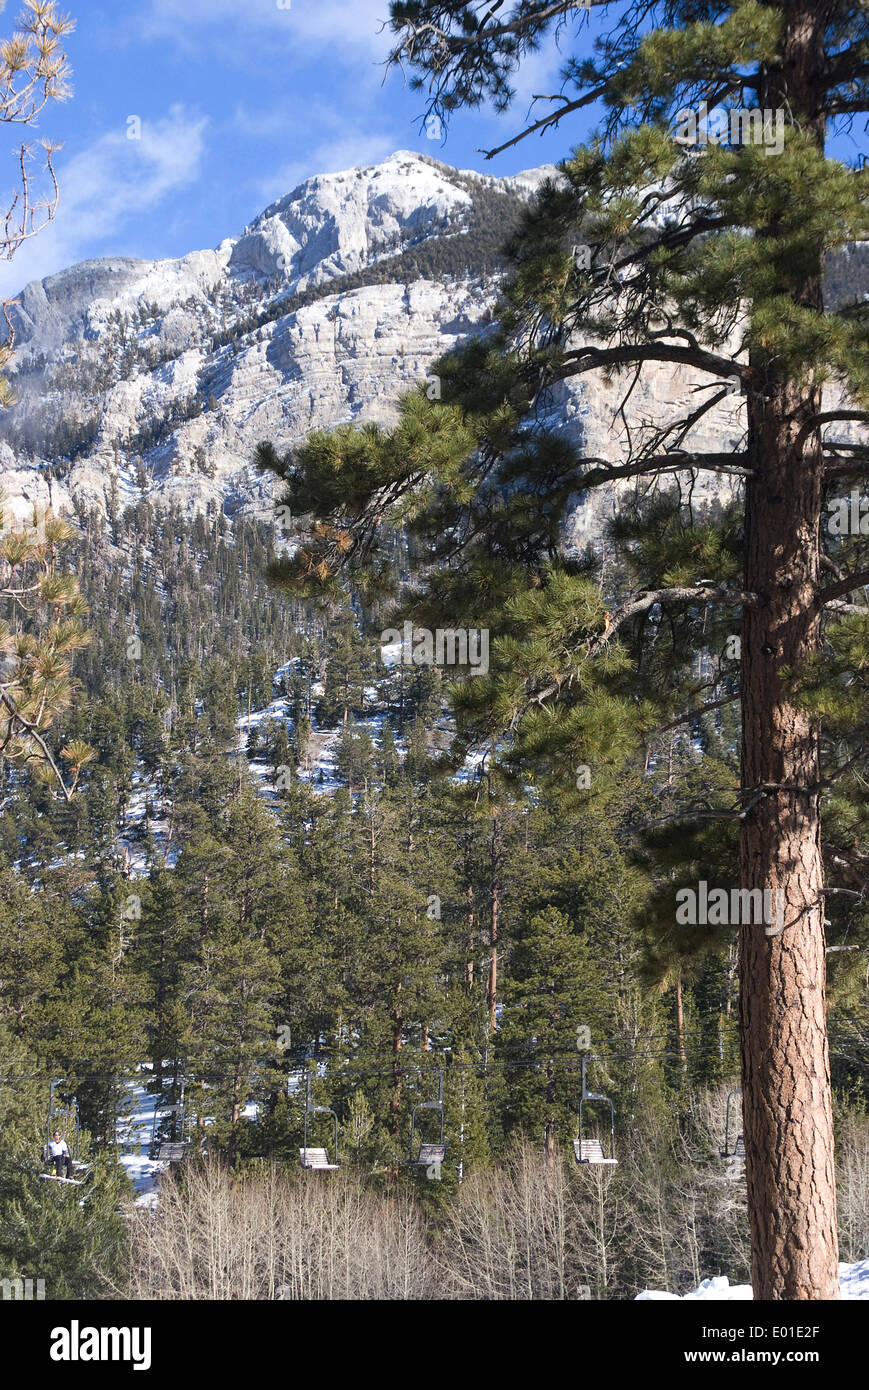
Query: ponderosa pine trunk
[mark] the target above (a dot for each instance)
(397, 1038)
(680, 1023)
(787, 1110)
(786, 1093)
(495, 847)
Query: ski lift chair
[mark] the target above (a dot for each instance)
(70, 1114)
(175, 1149)
(172, 1153)
(592, 1150)
(430, 1152)
(317, 1160)
(737, 1150)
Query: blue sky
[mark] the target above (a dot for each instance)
(239, 100)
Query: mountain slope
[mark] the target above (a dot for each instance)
(158, 378)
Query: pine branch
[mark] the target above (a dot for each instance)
(643, 601)
(588, 358)
(850, 868)
(695, 812)
(828, 417)
(695, 714)
(552, 119)
(858, 580)
(455, 44)
(676, 461)
(32, 732)
(856, 465)
(833, 777)
(847, 610)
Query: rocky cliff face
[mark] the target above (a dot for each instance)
(157, 379)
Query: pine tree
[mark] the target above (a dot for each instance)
(346, 673)
(302, 740)
(354, 757)
(388, 757)
(661, 246)
(76, 1247)
(554, 991)
(40, 632)
(34, 70)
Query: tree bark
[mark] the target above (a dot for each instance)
(492, 987)
(786, 1093)
(787, 1107)
(550, 1150)
(680, 1023)
(469, 943)
(494, 922)
(397, 1039)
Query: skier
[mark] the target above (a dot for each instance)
(58, 1152)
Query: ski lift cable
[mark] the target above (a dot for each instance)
(626, 1054)
(630, 1044)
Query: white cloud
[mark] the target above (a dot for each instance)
(104, 186)
(237, 28)
(267, 124)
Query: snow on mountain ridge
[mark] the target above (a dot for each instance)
(329, 226)
(334, 224)
(158, 378)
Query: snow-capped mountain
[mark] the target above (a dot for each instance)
(158, 378)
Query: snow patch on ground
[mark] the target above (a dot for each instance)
(853, 1281)
(134, 1136)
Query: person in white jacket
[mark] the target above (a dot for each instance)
(58, 1151)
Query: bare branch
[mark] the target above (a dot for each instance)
(588, 359)
(642, 602)
(695, 714)
(552, 119)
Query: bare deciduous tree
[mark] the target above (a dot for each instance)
(34, 70)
